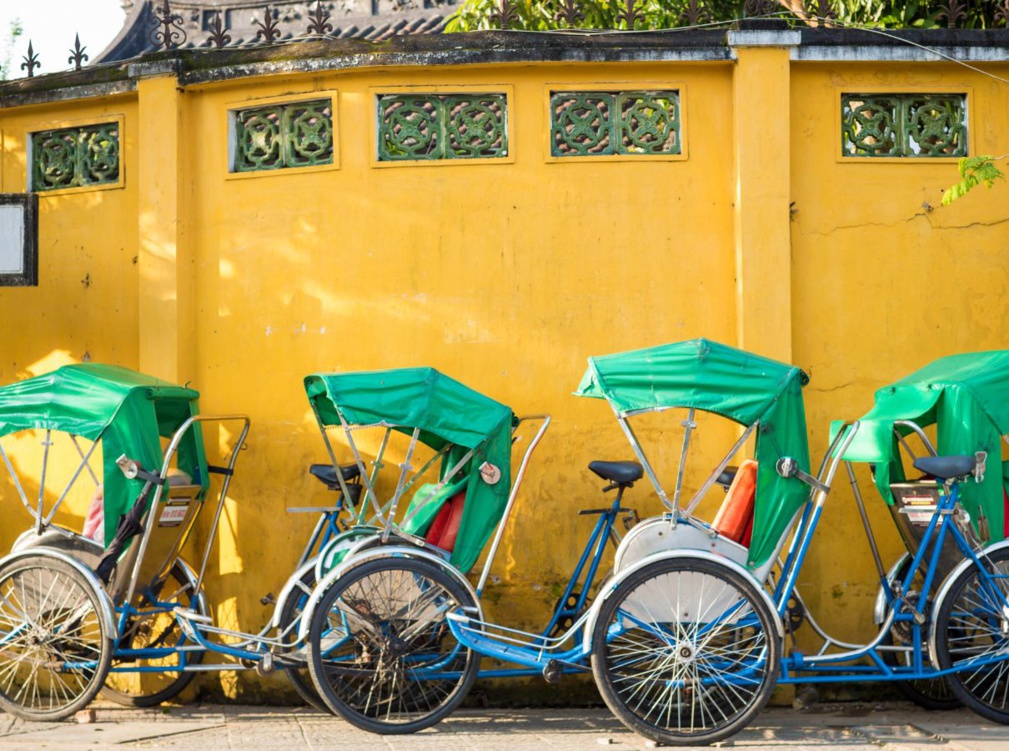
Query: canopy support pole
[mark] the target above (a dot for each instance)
(369, 491)
(689, 425)
(347, 500)
(84, 463)
(511, 500)
(80, 453)
(629, 432)
(427, 465)
(441, 483)
(17, 482)
(404, 468)
(703, 490)
(42, 481)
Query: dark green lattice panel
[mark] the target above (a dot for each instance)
(418, 127)
(904, 125)
(298, 134)
(600, 123)
(475, 127)
(649, 122)
(581, 124)
(75, 157)
(936, 125)
(409, 127)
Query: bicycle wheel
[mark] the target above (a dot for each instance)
(685, 651)
(972, 633)
(290, 613)
(54, 644)
(928, 693)
(382, 654)
(155, 627)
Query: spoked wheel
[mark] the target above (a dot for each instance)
(290, 613)
(685, 651)
(972, 633)
(54, 644)
(155, 628)
(928, 693)
(382, 654)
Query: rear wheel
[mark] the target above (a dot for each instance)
(155, 627)
(54, 644)
(972, 633)
(382, 654)
(685, 651)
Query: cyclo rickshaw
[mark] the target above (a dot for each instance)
(114, 607)
(396, 632)
(697, 667)
(966, 398)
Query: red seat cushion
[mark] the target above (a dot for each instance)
(735, 517)
(445, 528)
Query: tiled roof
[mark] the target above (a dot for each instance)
(373, 20)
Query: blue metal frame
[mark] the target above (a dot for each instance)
(798, 668)
(328, 526)
(536, 652)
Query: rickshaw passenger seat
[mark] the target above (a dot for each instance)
(445, 528)
(735, 516)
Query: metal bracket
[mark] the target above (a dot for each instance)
(788, 467)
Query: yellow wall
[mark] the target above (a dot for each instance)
(884, 281)
(508, 275)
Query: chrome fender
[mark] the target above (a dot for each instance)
(610, 586)
(105, 608)
(387, 551)
(289, 587)
(657, 535)
(941, 595)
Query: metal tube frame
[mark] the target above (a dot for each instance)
(153, 504)
(702, 491)
(640, 454)
(511, 497)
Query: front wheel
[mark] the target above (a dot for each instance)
(382, 654)
(55, 646)
(685, 651)
(972, 634)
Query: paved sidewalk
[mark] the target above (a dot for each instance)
(853, 727)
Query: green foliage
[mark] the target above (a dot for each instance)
(545, 15)
(974, 170)
(7, 47)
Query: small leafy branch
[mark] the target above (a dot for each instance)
(974, 170)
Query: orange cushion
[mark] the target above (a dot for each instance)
(445, 528)
(735, 517)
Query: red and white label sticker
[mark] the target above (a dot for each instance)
(173, 514)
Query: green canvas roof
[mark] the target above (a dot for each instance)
(967, 397)
(128, 411)
(447, 412)
(444, 409)
(741, 386)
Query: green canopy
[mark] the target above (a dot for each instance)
(127, 410)
(967, 397)
(447, 413)
(743, 387)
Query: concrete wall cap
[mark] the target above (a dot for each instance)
(764, 38)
